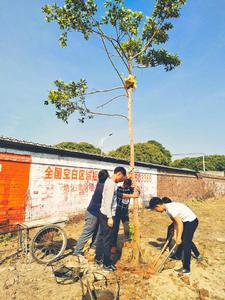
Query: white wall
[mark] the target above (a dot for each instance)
(61, 185)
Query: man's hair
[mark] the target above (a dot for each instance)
(154, 202)
(102, 176)
(121, 170)
(166, 200)
(128, 182)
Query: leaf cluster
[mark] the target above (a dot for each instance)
(136, 36)
(68, 98)
(150, 152)
(124, 19)
(72, 16)
(124, 33)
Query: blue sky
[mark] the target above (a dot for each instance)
(183, 109)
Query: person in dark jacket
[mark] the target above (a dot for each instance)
(91, 225)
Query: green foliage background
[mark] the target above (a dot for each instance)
(150, 152)
(81, 147)
(212, 163)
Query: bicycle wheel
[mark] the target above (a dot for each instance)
(48, 244)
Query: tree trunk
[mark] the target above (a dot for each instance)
(136, 251)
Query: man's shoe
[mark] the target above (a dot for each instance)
(99, 261)
(108, 268)
(113, 267)
(200, 258)
(182, 271)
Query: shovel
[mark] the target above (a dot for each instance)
(160, 254)
(160, 267)
(163, 249)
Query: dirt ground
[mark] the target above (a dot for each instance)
(22, 278)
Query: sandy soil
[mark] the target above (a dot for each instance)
(22, 278)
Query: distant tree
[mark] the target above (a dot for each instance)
(193, 163)
(212, 163)
(131, 41)
(81, 147)
(163, 149)
(150, 152)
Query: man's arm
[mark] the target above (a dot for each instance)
(127, 196)
(178, 229)
(135, 194)
(174, 228)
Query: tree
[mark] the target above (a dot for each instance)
(125, 34)
(212, 163)
(82, 147)
(150, 152)
(163, 149)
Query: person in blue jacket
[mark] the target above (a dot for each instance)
(91, 225)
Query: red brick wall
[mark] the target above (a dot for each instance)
(181, 186)
(14, 181)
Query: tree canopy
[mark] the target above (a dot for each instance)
(131, 40)
(212, 163)
(150, 152)
(82, 147)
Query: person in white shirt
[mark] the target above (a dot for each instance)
(107, 212)
(185, 223)
(170, 233)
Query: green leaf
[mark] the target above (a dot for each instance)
(68, 98)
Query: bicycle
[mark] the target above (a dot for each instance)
(48, 244)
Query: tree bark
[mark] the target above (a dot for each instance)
(136, 248)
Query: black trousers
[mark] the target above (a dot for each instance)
(178, 254)
(103, 247)
(187, 244)
(121, 215)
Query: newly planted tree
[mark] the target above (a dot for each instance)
(126, 35)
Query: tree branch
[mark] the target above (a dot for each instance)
(109, 57)
(100, 106)
(88, 111)
(149, 41)
(105, 91)
(108, 115)
(146, 45)
(117, 32)
(118, 43)
(111, 40)
(125, 63)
